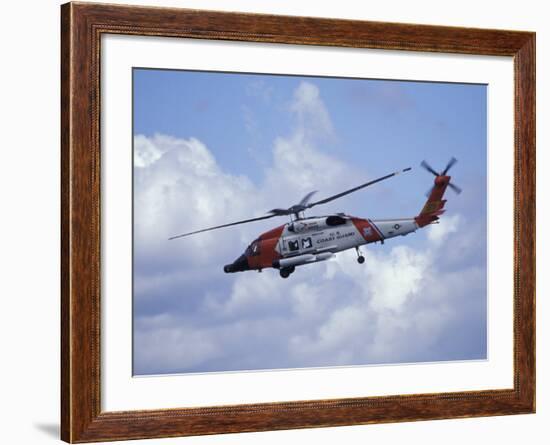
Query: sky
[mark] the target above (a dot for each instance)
(211, 148)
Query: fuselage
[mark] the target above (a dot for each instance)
(315, 239)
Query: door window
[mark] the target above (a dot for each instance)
(293, 245)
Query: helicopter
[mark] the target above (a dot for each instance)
(306, 240)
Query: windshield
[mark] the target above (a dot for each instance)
(253, 249)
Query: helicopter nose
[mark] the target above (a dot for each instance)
(239, 265)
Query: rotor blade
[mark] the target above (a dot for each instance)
(279, 212)
(429, 168)
(455, 188)
(306, 198)
(449, 165)
(347, 192)
(223, 225)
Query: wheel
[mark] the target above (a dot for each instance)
(291, 269)
(284, 273)
(361, 259)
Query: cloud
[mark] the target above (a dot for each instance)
(298, 168)
(392, 281)
(310, 110)
(399, 307)
(190, 316)
(437, 233)
(181, 189)
(146, 151)
(258, 88)
(158, 343)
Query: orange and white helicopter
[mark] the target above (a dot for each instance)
(306, 240)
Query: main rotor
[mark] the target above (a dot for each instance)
(296, 211)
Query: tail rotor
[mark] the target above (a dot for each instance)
(444, 172)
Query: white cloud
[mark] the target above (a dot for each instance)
(308, 302)
(310, 109)
(298, 168)
(182, 190)
(342, 324)
(437, 233)
(146, 151)
(371, 324)
(159, 343)
(251, 293)
(396, 277)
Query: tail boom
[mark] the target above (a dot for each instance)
(435, 204)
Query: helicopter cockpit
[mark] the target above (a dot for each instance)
(253, 249)
(241, 263)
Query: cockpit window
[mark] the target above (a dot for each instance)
(335, 220)
(293, 245)
(253, 249)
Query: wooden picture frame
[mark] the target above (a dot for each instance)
(82, 25)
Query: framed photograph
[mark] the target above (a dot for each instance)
(274, 222)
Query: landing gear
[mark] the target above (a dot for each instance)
(360, 258)
(286, 271)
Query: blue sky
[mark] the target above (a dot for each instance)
(210, 148)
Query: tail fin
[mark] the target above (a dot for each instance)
(435, 203)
